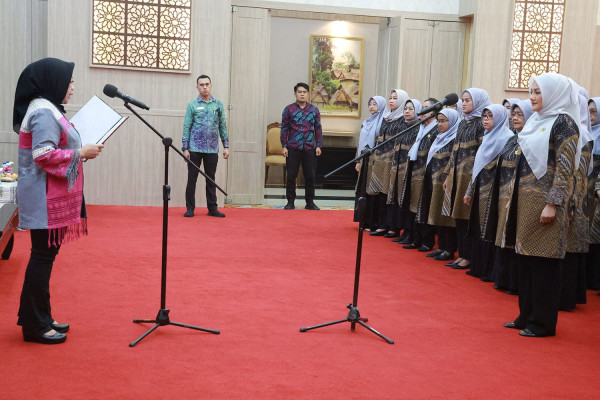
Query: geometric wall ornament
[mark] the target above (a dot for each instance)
(536, 40)
(142, 34)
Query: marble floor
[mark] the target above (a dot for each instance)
(326, 199)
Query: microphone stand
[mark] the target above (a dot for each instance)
(354, 316)
(162, 318)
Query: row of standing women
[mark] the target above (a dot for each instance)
(512, 187)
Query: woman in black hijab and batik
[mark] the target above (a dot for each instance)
(50, 190)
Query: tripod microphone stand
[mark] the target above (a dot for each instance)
(162, 318)
(354, 316)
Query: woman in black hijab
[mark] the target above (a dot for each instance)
(50, 190)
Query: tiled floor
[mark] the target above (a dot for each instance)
(326, 199)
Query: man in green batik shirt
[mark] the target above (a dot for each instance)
(204, 124)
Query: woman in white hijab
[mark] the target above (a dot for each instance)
(429, 209)
(549, 142)
(578, 235)
(505, 272)
(460, 168)
(368, 132)
(481, 194)
(593, 260)
(380, 162)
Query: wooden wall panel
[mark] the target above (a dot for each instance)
(129, 171)
(447, 52)
(249, 89)
(416, 58)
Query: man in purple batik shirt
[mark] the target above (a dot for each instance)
(301, 138)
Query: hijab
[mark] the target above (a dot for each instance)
(596, 128)
(459, 109)
(48, 78)
(370, 126)
(584, 116)
(480, 101)
(494, 140)
(423, 130)
(560, 95)
(443, 139)
(524, 106)
(417, 106)
(390, 115)
(511, 100)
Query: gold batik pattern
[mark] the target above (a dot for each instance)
(438, 163)
(532, 237)
(418, 169)
(578, 234)
(594, 202)
(507, 169)
(380, 162)
(399, 174)
(468, 138)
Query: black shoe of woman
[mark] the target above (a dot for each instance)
(44, 337)
(391, 234)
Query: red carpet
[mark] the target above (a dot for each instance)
(258, 276)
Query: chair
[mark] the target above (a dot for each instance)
(274, 155)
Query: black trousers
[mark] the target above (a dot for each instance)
(424, 235)
(446, 238)
(35, 314)
(210, 168)
(308, 160)
(539, 294)
(463, 243)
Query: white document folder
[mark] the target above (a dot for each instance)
(96, 121)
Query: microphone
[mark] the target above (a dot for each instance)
(450, 99)
(112, 91)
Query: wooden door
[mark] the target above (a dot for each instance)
(447, 58)
(250, 41)
(415, 71)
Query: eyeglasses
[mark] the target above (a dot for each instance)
(487, 116)
(593, 111)
(409, 109)
(442, 121)
(517, 115)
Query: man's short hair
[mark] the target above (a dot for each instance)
(432, 100)
(301, 84)
(203, 77)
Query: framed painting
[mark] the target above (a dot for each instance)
(336, 75)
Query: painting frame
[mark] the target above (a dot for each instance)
(336, 75)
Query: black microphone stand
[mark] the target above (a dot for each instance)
(162, 318)
(354, 316)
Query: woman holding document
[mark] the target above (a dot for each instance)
(50, 190)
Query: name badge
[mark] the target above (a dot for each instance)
(200, 108)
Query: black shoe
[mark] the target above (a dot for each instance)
(514, 292)
(289, 206)
(377, 233)
(215, 213)
(60, 328)
(434, 253)
(43, 338)
(424, 249)
(398, 239)
(529, 333)
(450, 264)
(406, 240)
(188, 213)
(444, 256)
(511, 325)
(392, 234)
(410, 246)
(458, 266)
(311, 206)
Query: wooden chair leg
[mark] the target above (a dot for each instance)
(266, 174)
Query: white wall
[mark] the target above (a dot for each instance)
(290, 47)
